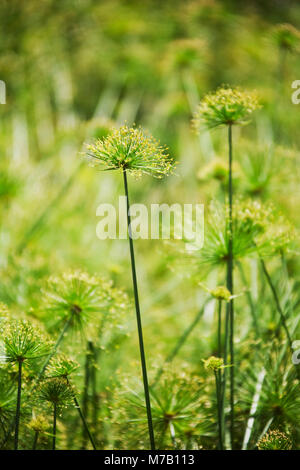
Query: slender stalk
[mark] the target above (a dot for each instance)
(17, 422)
(56, 346)
(95, 398)
(219, 406)
(220, 328)
(139, 320)
(250, 300)
(220, 376)
(84, 422)
(230, 288)
(35, 440)
(85, 400)
(54, 426)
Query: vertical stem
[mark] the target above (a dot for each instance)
(219, 406)
(219, 328)
(95, 399)
(85, 399)
(139, 320)
(36, 436)
(230, 288)
(220, 374)
(56, 346)
(17, 423)
(54, 426)
(250, 300)
(84, 421)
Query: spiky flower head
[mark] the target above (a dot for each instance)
(275, 440)
(24, 342)
(130, 149)
(287, 37)
(221, 293)
(38, 424)
(177, 403)
(61, 367)
(213, 363)
(56, 391)
(79, 298)
(227, 106)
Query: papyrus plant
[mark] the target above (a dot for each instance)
(227, 107)
(132, 151)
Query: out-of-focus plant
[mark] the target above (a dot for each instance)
(59, 394)
(227, 107)
(23, 343)
(275, 440)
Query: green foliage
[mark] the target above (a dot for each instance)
(73, 75)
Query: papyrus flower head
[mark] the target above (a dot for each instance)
(57, 392)
(227, 106)
(130, 149)
(275, 440)
(213, 363)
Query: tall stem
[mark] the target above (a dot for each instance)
(85, 400)
(17, 423)
(219, 328)
(138, 319)
(54, 426)
(230, 287)
(56, 346)
(77, 406)
(219, 406)
(35, 440)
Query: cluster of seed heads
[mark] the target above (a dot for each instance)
(130, 149)
(227, 106)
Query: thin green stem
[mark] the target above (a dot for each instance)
(220, 328)
(138, 319)
(35, 440)
(77, 406)
(95, 398)
(85, 400)
(250, 300)
(18, 408)
(56, 346)
(219, 406)
(54, 426)
(230, 288)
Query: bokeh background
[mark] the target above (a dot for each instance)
(72, 69)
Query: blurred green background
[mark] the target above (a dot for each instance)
(72, 68)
